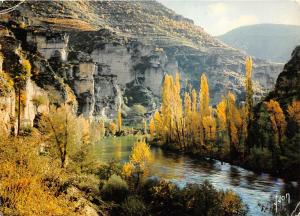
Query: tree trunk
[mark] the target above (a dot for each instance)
(19, 111)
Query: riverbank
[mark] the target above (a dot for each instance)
(92, 188)
(183, 169)
(248, 164)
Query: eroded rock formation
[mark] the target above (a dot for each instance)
(115, 54)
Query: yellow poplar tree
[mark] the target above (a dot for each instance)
(230, 123)
(119, 120)
(177, 110)
(221, 114)
(195, 123)
(294, 111)
(166, 107)
(222, 119)
(159, 125)
(140, 160)
(209, 124)
(152, 127)
(277, 119)
(204, 96)
(241, 121)
(204, 108)
(249, 97)
(194, 100)
(187, 121)
(248, 86)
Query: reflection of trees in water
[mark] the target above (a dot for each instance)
(234, 176)
(168, 167)
(117, 149)
(251, 178)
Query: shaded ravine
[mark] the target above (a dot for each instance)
(182, 169)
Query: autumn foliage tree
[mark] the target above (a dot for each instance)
(249, 99)
(65, 130)
(140, 161)
(119, 120)
(277, 119)
(152, 127)
(186, 120)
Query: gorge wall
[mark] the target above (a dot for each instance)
(103, 55)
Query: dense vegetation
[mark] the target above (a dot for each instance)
(187, 122)
(36, 180)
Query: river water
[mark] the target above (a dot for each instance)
(181, 169)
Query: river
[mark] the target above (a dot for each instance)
(181, 169)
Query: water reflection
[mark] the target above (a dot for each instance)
(253, 188)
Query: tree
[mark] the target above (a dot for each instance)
(119, 120)
(249, 98)
(221, 114)
(209, 124)
(166, 107)
(112, 127)
(231, 124)
(204, 108)
(159, 125)
(187, 121)
(241, 125)
(20, 82)
(194, 116)
(194, 100)
(222, 120)
(140, 160)
(277, 119)
(294, 111)
(204, 97)
(177, 111)
(62, 126)
(249, 87)
(152, 127)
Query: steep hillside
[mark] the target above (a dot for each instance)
(115, 53)
(287, 86)
(264, 134)
(267, 41)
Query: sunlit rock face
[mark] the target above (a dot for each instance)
(50, 44)
(7, 113)
(116, 53)
(31, 109)
(84, 85)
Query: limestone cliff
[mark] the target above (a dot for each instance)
(115, 53)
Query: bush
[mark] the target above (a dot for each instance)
(202, 199)
(115, 189)
(23, 188)
(39, 100)
(232, 204)
(105, 171)
(112, 127)
(139, 109)
(166, 198)
(133, 206)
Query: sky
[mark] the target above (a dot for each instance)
(219, 17)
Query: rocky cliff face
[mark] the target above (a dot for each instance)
(115, 54)
(287, 86)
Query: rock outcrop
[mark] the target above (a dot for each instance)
(287, 86)
(114, 54)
